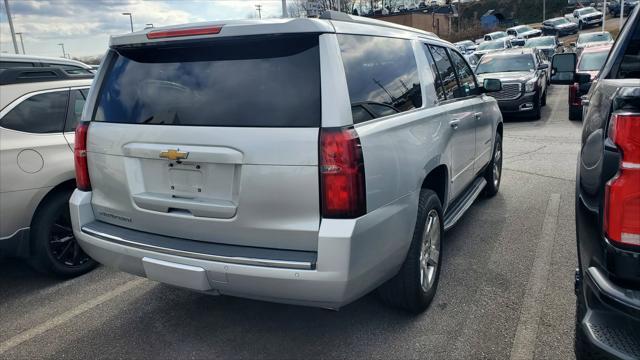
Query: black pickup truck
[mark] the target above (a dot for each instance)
(608, 201)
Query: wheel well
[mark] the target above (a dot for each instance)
(437, 181)
(65, 186)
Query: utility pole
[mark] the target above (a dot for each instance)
(259, 9)
(130, 19)
(284, 9)
(544, 10)
(64, 53)
(604, 13)
(21, 41)
(13, 33)
(621, 13)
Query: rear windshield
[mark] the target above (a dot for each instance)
(255, 82)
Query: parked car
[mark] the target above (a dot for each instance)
(590, 62)
(492, 46)
(8, 61)
(524, 80)
(615, 8)
(210, 201)
(472, 59)
(585, 17)
(559, 27)
(608, 202)
(549, 45)
(523, 32)
(39, 111)
(466, 46)
(591, 39)
(495, 35)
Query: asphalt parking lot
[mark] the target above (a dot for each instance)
(506, 290)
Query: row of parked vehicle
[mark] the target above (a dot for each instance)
(310, 167)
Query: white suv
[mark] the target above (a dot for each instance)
(39, 109)
(306, 161)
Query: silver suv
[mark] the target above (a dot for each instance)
(304, 161)
(39, 109)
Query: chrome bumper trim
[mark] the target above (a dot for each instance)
(300, 265)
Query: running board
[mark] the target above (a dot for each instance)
(455, 212)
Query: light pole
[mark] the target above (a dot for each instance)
(130, 19)
(259, 9)
(64, 53)
(284, 9)
(621, 13)
(544, 10)
(21, 42)
(604, 13)
(13, 33)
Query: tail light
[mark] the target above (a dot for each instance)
(574, 99)
(205, 30)
(622, 193)
(342, 179)
(80, 157)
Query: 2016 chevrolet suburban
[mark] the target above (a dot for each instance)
(303, 161)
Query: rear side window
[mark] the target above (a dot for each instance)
(436, 75)
(266, 81)
(630, 65)
(76, 103)
(382, 75)
(42, 113)
(446, 70)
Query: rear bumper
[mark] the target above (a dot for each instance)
(354, 257)
(611, 322)
(524, 103)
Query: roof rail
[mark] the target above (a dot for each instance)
(21, 75)
(340, 16)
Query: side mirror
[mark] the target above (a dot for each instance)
(543, 66)
(492, 85)
(563, 68)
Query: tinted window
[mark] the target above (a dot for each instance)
(436, 75)
(446, 70)
(259, 81)
(381, 71)
(14, 64)
(43, 113)
(465, 75)
(630, 65)
(76, 103)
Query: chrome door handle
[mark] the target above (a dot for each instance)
(454, 124)
(478, 115)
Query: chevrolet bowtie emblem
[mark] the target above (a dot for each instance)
(174, 154)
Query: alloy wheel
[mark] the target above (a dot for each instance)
(430, 251)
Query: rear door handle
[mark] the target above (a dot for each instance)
(454, 124)
(478, 115)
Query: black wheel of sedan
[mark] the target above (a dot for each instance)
(414, 287)
(54, 246)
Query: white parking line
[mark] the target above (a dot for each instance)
(526, 334)
(64, 317)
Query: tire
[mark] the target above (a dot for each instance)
(544, 99)
(536, 113)
(493, 173)
(55, 249)
(575, 113)
(415, 285)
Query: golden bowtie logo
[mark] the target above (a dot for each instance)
(174, 154)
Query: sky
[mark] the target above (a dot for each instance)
(84, 26)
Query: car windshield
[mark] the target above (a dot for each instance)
(498, 35)
(505, 63)
(523, 28)
(592, 61)
(541, 41)
(491, 45)
(560, 21)
(594, 37)
(586, 11)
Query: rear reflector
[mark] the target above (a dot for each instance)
(622, 193)
(80, 157)
(342, 178)
(161, 34)
(574, 99)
